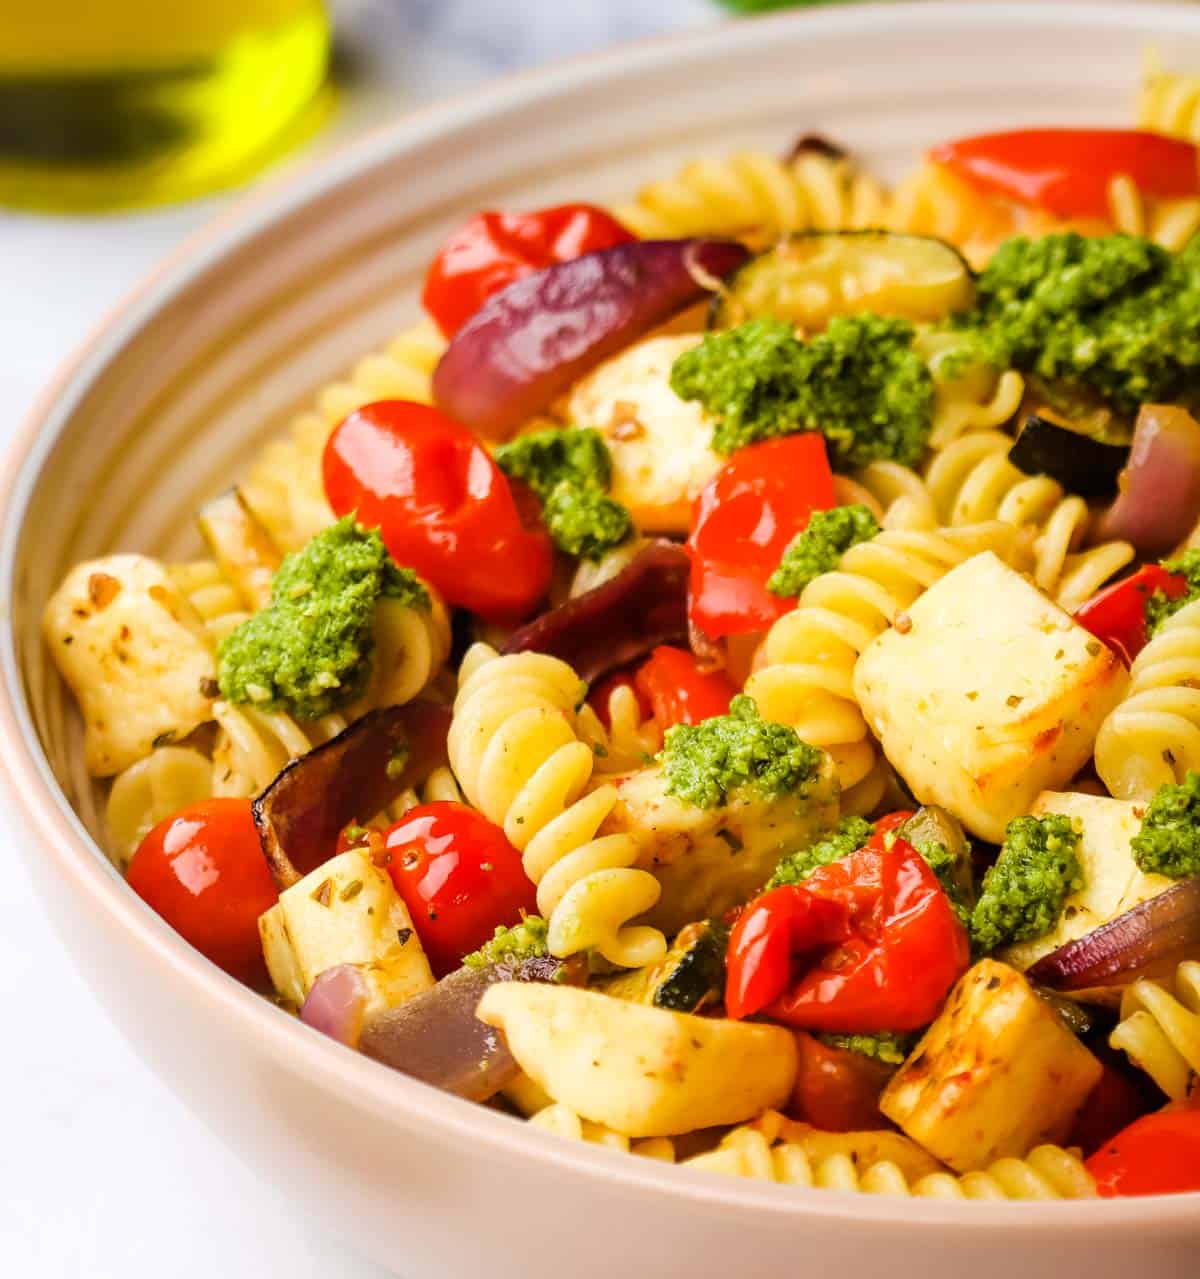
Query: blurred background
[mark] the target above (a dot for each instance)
(124, 126)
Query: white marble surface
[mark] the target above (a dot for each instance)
(102, 1172)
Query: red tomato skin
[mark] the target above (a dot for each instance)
(679, 692)
(492, 249)
(442, 507)
(1158, 1154)
(836, 1090)
(459, 877)
(1112, 1105)
(1068, 171)
(204, 872)
(1117, 615)
(742, 523)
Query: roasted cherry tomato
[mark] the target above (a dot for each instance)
(460, 879)
(1068, 171)
(204, 871)
(741, 525)
(494, 249)
(678, 691)
(442, 506)
(1113, 1104)
(1117, 615)
(837, 1090)
(900, 950)
(1156, 1155)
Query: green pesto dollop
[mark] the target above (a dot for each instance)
(888, 1047)
(570, 469)
(309, 651)
(795, 867)
(819, 548)
(1169, 840)
(526, 940)
(706, 763)
(1115, 315)
(1023, 894)
(860, 384)
(1159, 605)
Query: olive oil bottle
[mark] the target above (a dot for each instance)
(111, 103)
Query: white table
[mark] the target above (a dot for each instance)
(102, 1172)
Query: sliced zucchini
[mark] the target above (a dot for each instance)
(241, 546)
(1081, 463)
(809, 278)
(934, 825)
(690, 975)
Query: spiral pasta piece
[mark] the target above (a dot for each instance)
(517, 754)
(284, 487)
(1167, 102)
(1048, 1172)
(972, 480)
(1153, 736)
(212, 595)
(934, 201)
(148, 792)
(630, 741)
(1159, 1029)
(751, 191)
(253, 747)
(804, 673)
(1169, 223)
(564, 1122)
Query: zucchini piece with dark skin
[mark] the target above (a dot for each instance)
(812, 276)
(933, 825)
(1081, 463)
(689, 976)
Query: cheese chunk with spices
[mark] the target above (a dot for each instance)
(660, 445)
(134, 653)
(992, 694)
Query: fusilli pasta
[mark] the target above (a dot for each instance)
(1160, 1029)
(564, 1122)
(515, 750)
(1153, 736)
(211, 594)
(805, 667)
(284, 487)
(629, 741)
(1167, 102)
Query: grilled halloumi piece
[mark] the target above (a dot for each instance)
(344, 912)
(988, 695)
(134, 653)
(660, 444)
(995, 1075)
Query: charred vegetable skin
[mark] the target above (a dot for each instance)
(690, 976)
(1081, 464)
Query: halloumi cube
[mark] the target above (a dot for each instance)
(660, 445)
(1112, 880)
(134, 653)
(711, 859)
(989, 695)
(344, 912)
(995, 1075)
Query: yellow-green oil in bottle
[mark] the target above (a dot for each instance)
(112, 103)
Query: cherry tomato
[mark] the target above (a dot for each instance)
(836, 1090)
(678, 691)
(1158, 1154)
(1113, 1104)
(1068, 171)
(1117, 615)
(742, 523)
(492, 250)
(442, 506)
(204, 872)
(460, 878)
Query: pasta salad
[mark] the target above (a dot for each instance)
(724, 686)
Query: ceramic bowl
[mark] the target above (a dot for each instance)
(210, 357)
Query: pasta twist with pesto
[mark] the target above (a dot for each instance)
(516, 752)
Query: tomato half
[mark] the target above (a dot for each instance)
(837, 1090)
(1158, 1154)
(204, 872)
(460, 879)
(492, 250)
(1117, 614)
(442, 506)
(741, 525)
(678, 691)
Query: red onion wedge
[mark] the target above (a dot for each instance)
(1158, 499)
(436, 1037)
(529, 342)
(350, 778)
(1147, 941)
(621, 620)
(336, 1003)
